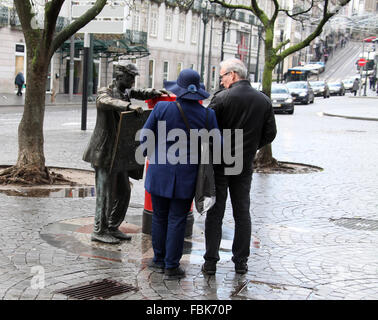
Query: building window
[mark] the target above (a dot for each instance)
(168, 26)
(192, 65)
(151, 73)
(154, 23)
(182, 22)
(194, 34)
(136, 20)
(179, 68)
(228, 36)
(20, 59)
(165, 70)
(254, 41)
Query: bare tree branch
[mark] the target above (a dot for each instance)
(25, 14)
(276, 11)
(52, 10)
(75, 26)
(296, 14)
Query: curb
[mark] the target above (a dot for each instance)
(69, 104)
(364, 97)
(349, 117)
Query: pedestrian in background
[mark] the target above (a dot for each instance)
(356, 85)
(372, 80)
(172, 184)
(19, 82)
(55, 88)
(238, 106)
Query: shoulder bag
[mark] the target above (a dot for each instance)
(204, 196)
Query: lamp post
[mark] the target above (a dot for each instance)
(209, 60)
(259, 33)
(205, 8)
(280, 64)
(249, 52)
(361, 68)
(225, 28)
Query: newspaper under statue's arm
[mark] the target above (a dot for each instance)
(123, 157)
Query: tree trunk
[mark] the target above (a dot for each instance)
(30, 167)
(264, 157)
(30, 130)
(41, 44)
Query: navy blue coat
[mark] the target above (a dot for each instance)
(20, 80)
(169, 180)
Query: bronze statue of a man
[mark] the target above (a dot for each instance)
(112, 184)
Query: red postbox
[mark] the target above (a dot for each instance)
(148, 210)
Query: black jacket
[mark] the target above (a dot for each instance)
(242, 107)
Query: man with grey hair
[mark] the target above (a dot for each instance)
(238, 106)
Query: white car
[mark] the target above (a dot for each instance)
(256, 85)
(348, 84)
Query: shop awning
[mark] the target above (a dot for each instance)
(112, 45)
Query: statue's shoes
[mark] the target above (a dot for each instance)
(104, 237)
(119, 235)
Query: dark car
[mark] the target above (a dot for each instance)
(320, 89)
(336, 88)
(282, 100)
(301, 92)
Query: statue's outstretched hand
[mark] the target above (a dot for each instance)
(145, 94)
(163, 91)
(138, 110)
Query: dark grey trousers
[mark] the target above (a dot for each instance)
(112, 199)
(239, 187)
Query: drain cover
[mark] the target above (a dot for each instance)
(357, 223)
(97, 290)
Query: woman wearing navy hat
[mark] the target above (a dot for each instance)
(172, 184)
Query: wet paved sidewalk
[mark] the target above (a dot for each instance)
(9, 99)
(360, 111)
(314, 235)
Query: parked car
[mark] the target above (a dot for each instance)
(256, 85)
(336, 88)
(314, 68)
(320, 89)
(282, 100)
(301, 92)
(321, 63)
(348, 84)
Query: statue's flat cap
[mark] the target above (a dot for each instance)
(129, 68)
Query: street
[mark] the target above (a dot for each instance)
(314, 235)
(342, 64)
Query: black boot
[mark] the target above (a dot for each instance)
(174, 273)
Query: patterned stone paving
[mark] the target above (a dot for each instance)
(314, 235)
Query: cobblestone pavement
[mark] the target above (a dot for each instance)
(314, 235)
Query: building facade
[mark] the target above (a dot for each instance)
(163, 38)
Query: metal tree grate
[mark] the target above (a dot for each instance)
(97, 290)
(357, 223)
